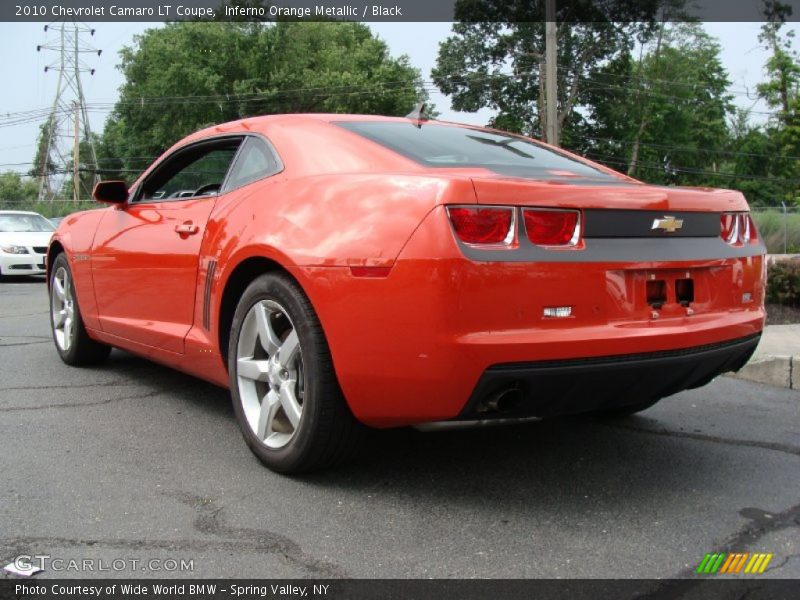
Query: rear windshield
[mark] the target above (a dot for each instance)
(436, 145)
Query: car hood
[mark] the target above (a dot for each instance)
(25, 238)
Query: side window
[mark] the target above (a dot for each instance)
(255, 161)
(192, 172)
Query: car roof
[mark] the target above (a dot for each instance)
(259, 122)
(19, 212)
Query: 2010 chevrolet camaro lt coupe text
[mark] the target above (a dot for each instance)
(337, 271)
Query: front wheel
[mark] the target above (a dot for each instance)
(287, 400)
(73, 344)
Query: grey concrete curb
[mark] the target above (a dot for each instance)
(781, 371)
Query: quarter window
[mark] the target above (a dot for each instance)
(255, 161)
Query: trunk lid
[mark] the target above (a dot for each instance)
(590, 194)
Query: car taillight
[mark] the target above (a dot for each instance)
(747, 229)
(729, 227)
(737, 228)
(483, 225)
(547, 227)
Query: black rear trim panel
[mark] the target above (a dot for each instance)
(563, 387)
(639, 224)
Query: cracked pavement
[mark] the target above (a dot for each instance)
(133, 460)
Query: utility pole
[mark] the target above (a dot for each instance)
(53, 167)
(785, 227)
(551, 81)
(76, 157)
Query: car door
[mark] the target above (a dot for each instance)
(145, 256)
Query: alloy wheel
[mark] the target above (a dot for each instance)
(270, 374)
(62, 307)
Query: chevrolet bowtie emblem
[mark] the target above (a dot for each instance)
(668, 224)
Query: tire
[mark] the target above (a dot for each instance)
(286, 398)
(625, 411)
(73, 344)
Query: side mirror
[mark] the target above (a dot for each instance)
(111, 192)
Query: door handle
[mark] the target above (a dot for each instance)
(187, 228)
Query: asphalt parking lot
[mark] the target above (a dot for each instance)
(135, 461)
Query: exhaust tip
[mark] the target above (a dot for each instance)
(502, 401)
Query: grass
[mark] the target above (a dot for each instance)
(770, 225)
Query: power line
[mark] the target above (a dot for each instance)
(688, 149)
(667, 168)
(672, 83)
(327, 91)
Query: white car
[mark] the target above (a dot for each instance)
(24, 237)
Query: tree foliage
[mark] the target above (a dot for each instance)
(662, 117)
(781, 91)
(495, 57)
(184, 76)
(43, 164)
(13, 187)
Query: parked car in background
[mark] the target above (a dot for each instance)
(56, 220)
(24, 238)
(340, 270)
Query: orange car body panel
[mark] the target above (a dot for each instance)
(409, 347)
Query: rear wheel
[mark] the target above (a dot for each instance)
(74, 345)
(290, 408)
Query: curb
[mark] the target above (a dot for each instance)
(780, 371)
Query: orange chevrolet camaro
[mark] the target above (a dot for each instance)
(336, 271)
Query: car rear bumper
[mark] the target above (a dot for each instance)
(562, 387)
(415, 346)
(412, 348)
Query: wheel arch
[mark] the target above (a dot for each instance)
(242, 275)
(53, 251)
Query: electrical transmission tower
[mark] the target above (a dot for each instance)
(68, 122)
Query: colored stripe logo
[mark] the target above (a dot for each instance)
(734, 563)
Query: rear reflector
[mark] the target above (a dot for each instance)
(484, 225)
(557, 312)
(552, 227)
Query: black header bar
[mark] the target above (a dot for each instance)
(706, 587)
(572, 11)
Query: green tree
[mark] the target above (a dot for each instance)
(86, 175)
(13, 187)
(750, 163)
(662, 118)
(495, 57)
(781, 88)
(43, 164)
(188, 75)
(781, 91)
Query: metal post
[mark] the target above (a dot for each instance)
(551, 64)
(76, 156)
(785, 226)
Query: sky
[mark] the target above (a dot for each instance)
(29, 87)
